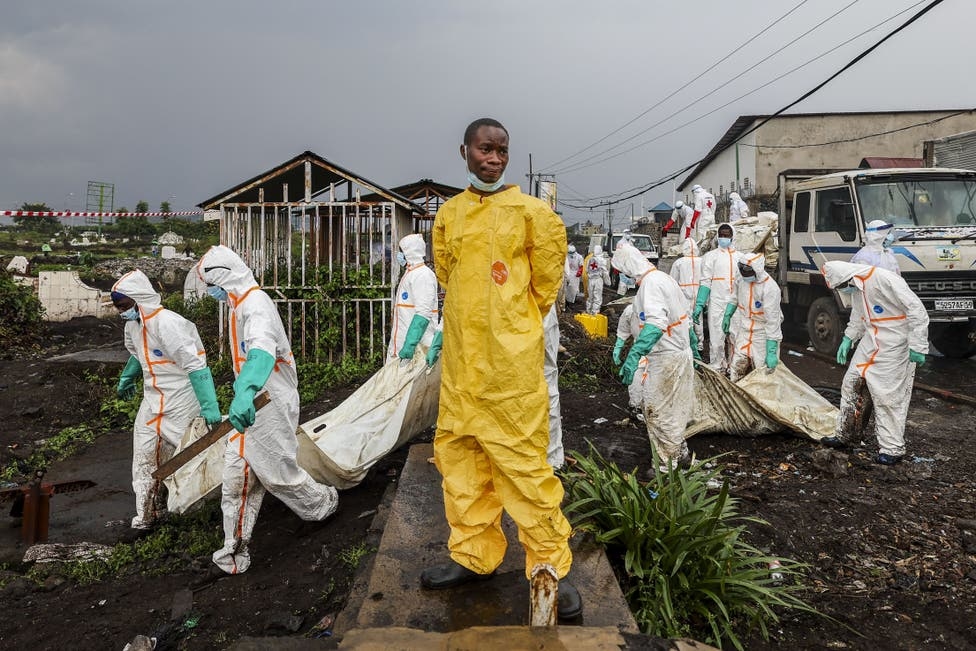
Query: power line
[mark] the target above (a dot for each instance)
(806, 95)
(581, 165)
(700, 75)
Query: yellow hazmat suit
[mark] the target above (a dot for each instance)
(500, 258)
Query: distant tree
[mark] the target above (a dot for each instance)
(164, 207)
(133, 227)
(122, 210)
(39, 224)
(142, 206)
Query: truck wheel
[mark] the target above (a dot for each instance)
(955, 340)
(824, 325)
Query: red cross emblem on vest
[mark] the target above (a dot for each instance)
(708, 203)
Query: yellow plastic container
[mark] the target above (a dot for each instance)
(594, 324)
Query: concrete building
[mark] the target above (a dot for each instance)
(749, 162)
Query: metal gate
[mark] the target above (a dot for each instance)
(328, 265)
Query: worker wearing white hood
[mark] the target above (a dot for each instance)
(261, 454)
(720, 271)
(572, 272)
(687, 272)
(890, 327)
(738, 209)
(597, 274)
(878, 237)
(166, 352)
(758, 318)
(661, 333)
(704, 216)
(415, 306)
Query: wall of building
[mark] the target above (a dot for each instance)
(720, 173)
(830, 128)
(65, 297)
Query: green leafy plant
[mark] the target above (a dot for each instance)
(21, 313)
(315, 378)
(353, 556)
(688, 570)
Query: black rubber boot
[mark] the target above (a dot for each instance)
(449, 575)
(570, 604)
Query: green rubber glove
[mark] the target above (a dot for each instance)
(203, 387)
(643, 345)
(694, 344)
(700, 301)
(418, 325)
(127, 380)
(727, 319)
(772, 354)
(845, 350)
(617, 349)
(435, 348)
(915, 356)
(255, 372)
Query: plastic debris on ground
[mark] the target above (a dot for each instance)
(600, 421)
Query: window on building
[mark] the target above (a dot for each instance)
(835, 213)
(801, 212)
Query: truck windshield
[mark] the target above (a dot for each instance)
(643, 243)
(919, 202)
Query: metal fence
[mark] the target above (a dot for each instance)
(329, 265)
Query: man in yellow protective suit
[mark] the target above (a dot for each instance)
(499, 254)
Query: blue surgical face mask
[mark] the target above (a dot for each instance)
(401, 259)
(132, 314)
(478, 184)
(888, 241)
(217, 293)
(725, 242)
(749, 279)
(847, 290)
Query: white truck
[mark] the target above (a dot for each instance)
(642, 241)
(933, 210)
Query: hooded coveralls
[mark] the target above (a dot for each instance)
(719, 274)
(738, 209)
(874, 252)
(500, 258)
(683, 215)
(625, 329)
(416, 294)
(555, 454)
(168, 348)
(687, 272)
(704, 215)
(597, 275)
(669, 380)
(887, 320)
(572, 270)
(263, 456)
(758, 317)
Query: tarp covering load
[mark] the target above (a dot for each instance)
(763, 402)
(389, 409)
(198, 477)
(753, 234)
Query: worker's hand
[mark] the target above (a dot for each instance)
(409, 348)
(844, 351)
(628, 369)
(664, 232)
(618, 348)
(435, 349)
(726, 322)
(696, 315)
(211, 414)
(772, 354)
(126, 388)
(242, 410)
(579, 272)
(693, 340)
(915, 356)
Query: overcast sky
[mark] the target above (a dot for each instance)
(180, 100)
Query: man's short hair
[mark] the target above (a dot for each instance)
(726, 227)
(477, 124)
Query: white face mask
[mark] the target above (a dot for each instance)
(485, 187)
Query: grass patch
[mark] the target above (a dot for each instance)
(353, 556)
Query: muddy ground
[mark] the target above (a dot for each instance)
(890, 550)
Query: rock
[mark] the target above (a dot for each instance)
(52, 582)
(140, 643)
(966, 524)
(829, 461)
(182, 605)
(281, 622)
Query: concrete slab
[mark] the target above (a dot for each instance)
(415, 537)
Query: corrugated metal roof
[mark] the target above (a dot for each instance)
(661, 207)
(292, 173)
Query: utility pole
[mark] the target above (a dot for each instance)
(534, 191)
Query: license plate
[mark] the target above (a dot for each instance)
(954, 304)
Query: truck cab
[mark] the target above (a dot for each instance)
(933, 211)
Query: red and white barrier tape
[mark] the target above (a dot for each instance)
(31, 213)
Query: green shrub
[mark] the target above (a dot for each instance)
(21, 313)
(688, 570)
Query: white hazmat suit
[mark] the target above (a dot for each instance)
(682, 215)
(168, 350)
(597, 274)
(262, 457)
(572, 272)
(660, 333)
(687, 272)
(875, 251)
(719, 274)
(757, 321)
(738, 209)
(625, 329)
(890, 327)
(415, 306)
(704, 215)
(555, 454)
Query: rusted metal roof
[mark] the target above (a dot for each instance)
(292, 173)
(874, 162)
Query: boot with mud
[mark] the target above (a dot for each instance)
(450, 575)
